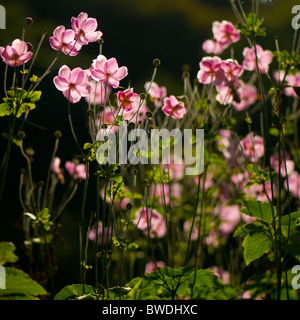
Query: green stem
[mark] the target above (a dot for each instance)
(82, 225)
(97, 227)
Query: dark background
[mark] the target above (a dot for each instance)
(135, 32)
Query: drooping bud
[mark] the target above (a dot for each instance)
(156, 63)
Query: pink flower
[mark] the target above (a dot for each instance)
(210, 71)
(74, 83)
(84, 28)
(157, 223)
(156, 93)
(253, 191)
(229, 146)
(232, 70)
(151, 266)
(290, 165)
(213, 46)
(64, 40)
(293, 81)
(16, 54)
(230, 216)
(77, 171)
(127, 99)
(290, 81)
(108, 71)
(253, 146)
(174, 108)
(56, 169)
(293, 183)
(225, 32)
(224, 95)
(264, 59)
(247, 94)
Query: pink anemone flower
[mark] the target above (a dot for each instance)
(84, 28)
(174, 108)
(108, 71)
(127, 99)
(16, 54)
(264, 58)
(64, 40)
(77, 171)
(225, 32)
(253, 146)
(74, 83)
(210, 71)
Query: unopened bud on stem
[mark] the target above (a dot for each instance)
(156, 63)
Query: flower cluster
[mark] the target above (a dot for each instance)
(70, 41)
(224, 34)
(225, 75)
(75, 170)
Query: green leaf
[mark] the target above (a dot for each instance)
(19, 284)
(87, 146)
(132, 246)
(206, 278)
(73, 292)
(255, 246)
(43, 217)
(259, 209)
(5, 109)
(293, 246)
(249, 228)
(7, 253)
(289, 221)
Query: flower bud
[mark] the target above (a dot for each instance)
(131, 125)
(57, 134)
(142, 96)
(90, 112)
(21, 135)
(156, 63)
(101, 108)
(149, 114)
(146, 183)
(28, 20)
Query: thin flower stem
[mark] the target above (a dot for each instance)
(82, 225)
(97, 230)
(62, 208)
(103, 252)
(34, 58)
(5, 80)
(72, 128)
(49, 172)
(30, 176)
(48, 70)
